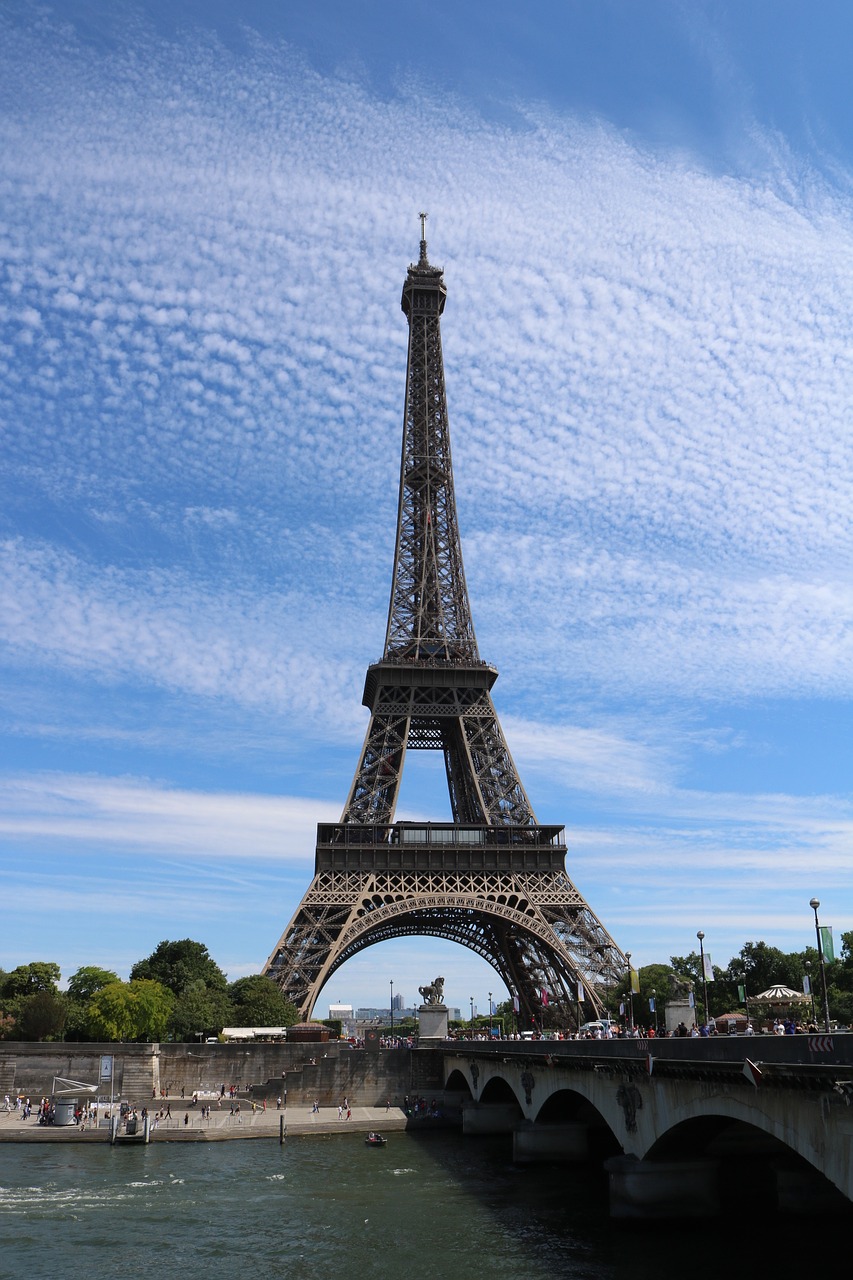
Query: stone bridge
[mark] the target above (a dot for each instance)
(685, 1127)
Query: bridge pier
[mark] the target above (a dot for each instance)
(649, 1189)
(550, 1143)
(490, 1117)
(802, 1191)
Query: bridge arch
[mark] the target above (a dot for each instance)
(758, 1153)
(499, 1090)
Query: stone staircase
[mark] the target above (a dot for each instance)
(137, 1077)
(7, 1078)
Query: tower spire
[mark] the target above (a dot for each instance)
(423, 260)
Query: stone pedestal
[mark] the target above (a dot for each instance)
(490, 1117)
(432, 1022)
(549, 1143)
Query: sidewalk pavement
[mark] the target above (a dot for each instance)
(221, 1126)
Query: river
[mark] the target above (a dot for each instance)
(425, 1207)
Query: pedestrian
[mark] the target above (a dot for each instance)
(277, 1103)
(186, 1118)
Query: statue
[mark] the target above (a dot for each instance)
(433, 994)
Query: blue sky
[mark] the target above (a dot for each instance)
(644, 217)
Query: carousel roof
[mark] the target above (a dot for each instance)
(779, 995)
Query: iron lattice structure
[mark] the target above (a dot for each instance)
(493, 880)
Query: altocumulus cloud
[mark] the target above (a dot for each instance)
(648, 364)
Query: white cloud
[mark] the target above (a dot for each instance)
(133, 814)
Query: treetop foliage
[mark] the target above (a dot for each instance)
(178, 964)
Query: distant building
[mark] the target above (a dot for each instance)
(398, 1003)
(343, 1013)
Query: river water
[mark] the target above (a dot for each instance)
(425, 1207)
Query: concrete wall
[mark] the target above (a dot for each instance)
(143, 1070)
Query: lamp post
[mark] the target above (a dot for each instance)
(471, 998)
(490, 1017)
(811, 985)
(655, 1009)
(700, 935)
(814, 904)
(392, 1008)
(630, 991)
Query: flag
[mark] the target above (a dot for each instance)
(651, 1004)
(493, 1008)
(752, 1072)
(515, 1005)
(708, 969)
(691, 1001)
(544, 998)
(741, 993)
(635, 982)
(581, 993)
(827, 947)
(807, 985)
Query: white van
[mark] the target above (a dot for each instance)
(601, 1025)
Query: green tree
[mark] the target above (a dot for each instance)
(199, 1011)
(27, 979)
(19, 986)
(135, 1010)
(258, 1002)
(759, 966)
(88, 979)
(177, 964)
(82, 986)
(42, 1016)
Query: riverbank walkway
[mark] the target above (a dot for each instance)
(221, 1126)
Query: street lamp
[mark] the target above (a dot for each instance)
(814, 904)
(471, 998)
(700, 935)
(490, 1017)
(630, 991)
(655, 1009)
(392, 1008)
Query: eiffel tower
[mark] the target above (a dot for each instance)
(494, 879)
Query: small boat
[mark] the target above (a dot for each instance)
(375, 1140)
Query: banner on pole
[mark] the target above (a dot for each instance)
(707, 968)
(827, 946)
